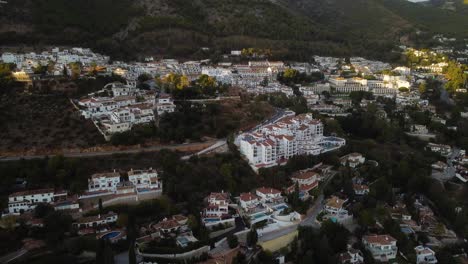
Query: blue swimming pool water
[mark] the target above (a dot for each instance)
(257, 216)
(111, 235)
(211, 220)
(281, 207)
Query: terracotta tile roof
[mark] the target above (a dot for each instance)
(360, 187)
(335, 202)
(246, 197)
(267, 190)
(106, 175)
(219, 196)
(304, 175)
(32, 192)
(383, 240)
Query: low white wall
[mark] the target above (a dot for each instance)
(187, 255)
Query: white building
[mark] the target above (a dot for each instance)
(144, 179)
(104, 182)
(248, 200)
(306, 180)
(120, 89)
(164, 104)
(352, 160)
(218, 205)
(382, 247)
(360, 189)
(27, 200)
(425, 255)
(95, 221)
(268, 194)
(352, 256)
(291, 135)
(334, 205)
(440, 148)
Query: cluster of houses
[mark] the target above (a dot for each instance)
(273, 144)
(60, 59)
(111, 188)
(123, 106)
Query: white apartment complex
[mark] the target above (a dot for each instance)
(291, 135)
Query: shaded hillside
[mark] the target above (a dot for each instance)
(291, 28)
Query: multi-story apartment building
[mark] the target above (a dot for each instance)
(382, 247)
(291, 135)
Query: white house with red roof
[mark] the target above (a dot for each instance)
(248, 200)
(360, 189)
(382, 247)
(334, 205)
(306, 180)
(96, 220)
(267, 194)
(218, 205)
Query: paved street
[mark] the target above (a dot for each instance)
(179, 147)
(12, 256)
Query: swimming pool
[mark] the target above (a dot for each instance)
(211, 220)
(280, 207)
(111, 235)
(257, 216)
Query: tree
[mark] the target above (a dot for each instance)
(8, 222)
(42, 210)
(131, 254)
(101, 208)
(232, 241)
(108, 253)
(252, 237)
(123, 220)
(144, 77)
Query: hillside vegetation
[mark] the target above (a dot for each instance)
(291, 28)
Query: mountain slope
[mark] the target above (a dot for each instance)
(291, 28)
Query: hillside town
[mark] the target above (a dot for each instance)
(355, 161)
